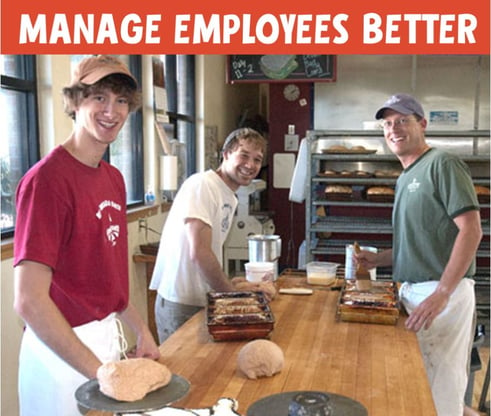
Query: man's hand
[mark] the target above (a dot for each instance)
(424, 315)
(268, 287)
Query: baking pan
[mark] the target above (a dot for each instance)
(233, 316)
(380, 305)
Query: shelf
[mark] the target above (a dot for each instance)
(348, 157)
(327, 236)
(367, 204)
(341, 224)
(355, 181)
(379, 133)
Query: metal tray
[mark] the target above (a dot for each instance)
(239, 326)
(90, 396)
(366, 313)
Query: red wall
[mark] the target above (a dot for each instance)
(282, 113)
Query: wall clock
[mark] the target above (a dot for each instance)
(291, 92)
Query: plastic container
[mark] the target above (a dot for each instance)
(321, 273)
(259, 271)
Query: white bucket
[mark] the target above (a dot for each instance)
(350, 263)
(259, 271)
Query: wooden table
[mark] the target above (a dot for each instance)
(378, 365)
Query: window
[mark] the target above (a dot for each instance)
(179, 73)
(19, 147)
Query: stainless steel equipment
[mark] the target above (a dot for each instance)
(249, 220)
(265, 248)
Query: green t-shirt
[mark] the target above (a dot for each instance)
(429, 194)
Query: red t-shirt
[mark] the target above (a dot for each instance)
(72, 217)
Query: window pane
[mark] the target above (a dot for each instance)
(179, 72)
(13, 66)
(11, 151)
(185, 85)
(121, 156)
(18, 146)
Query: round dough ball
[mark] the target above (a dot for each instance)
(260, 358)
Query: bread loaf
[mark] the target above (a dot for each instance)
(380, 190)
(330, 172)
(338, 189)
(130, 380)
(387, 173)
(362, 174)
(481, 190)
(338, 148)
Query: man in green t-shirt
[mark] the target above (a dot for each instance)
(436, 233)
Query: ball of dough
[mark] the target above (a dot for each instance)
(260, 358)
(131, 379)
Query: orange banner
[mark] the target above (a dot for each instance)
(272, 27)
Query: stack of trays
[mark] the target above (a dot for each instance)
(232, 316)
(379, 305)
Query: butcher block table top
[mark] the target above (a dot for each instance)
(379, 366)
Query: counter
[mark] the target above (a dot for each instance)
(378, 365)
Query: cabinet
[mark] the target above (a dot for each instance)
(331, 223)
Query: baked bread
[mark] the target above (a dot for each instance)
(330, 172)
(130, 380)
(481, 190)
(387, 173)
(337, 148)
(359, 148)
(260, 358)
(380, 190)
(338, 189)
(362, 174)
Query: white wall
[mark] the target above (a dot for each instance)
(440, 82)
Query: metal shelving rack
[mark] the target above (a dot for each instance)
(377, 230)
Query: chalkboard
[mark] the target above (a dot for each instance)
(278, 68)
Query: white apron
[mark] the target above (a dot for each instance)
(47, 384)
(446, 345)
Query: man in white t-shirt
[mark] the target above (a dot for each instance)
(189, 261)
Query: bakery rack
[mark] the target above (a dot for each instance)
(331, 224)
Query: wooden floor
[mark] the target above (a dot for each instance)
(479, 380)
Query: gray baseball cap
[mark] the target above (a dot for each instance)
(402, 103)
